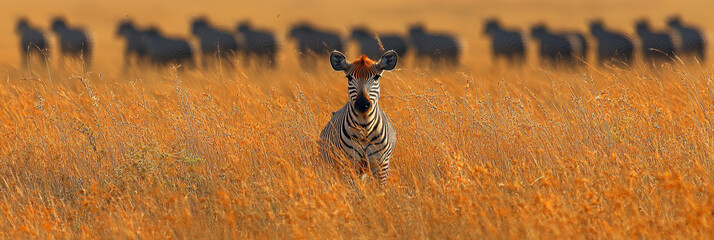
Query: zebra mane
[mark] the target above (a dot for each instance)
(363, 68)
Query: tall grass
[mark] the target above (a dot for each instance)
(527, 153)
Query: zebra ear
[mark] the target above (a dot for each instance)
(388, 61)
(338, 62)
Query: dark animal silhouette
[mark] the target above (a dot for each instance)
(73, 42)
(508, 44)
(656, 46)
(258, 44)
(31, 41)
(214, 42)
(612, 46)
(691, 40)
(313, 43)
(369, 45)
(437, 47)
(163, 50)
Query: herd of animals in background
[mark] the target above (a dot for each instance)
(148, 45)
(571, 47)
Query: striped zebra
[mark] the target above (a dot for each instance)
(73, 42)
(439, 48)
(612, 46)
(360, 135)
(691, 40)
(369, 45)
(560, 48)
(507, 44)
(135, 45)
(656, 46)
(313, 42)
(31, 41)
(164, 51)
(258, 44)
(213, 42)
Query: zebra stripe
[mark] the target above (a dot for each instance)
(163, 51)
(437, 47)
(214, 42)
(360, 132)
(369, 44)
(31, 41)
(258, 44)
(656, 46)
(73, 42)
(505, 43)
(691, 40)
(611, 46)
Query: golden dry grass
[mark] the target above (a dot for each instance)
(483, 152)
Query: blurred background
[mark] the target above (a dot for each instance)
(462, 18)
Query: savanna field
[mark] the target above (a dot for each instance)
(484, 151)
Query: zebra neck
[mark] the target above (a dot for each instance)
(363, 122)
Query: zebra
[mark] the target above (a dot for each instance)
(360, 132)
(213, 42)
(691, 40)
(560, 48)
(313, 42)
(508, 44)
(439, 48)
(611, 46)
(73, 42)
(656, 46)
(369, 45)
(134, 43)
(258, 43)
(163, 50)
(31, 41)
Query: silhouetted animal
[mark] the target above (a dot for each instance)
(508, 44)
(214, 42)
(258, 44)
(313, 43)
(560, 48)
(656, 46)
(691, 40)
(164, 51)
(369, 45)
(439, 48)
(31, 41)
(134, 43)
(611, 46)
(73, 42)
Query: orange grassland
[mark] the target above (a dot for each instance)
(482, 151)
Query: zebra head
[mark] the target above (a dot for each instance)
(363, 78)
(244, 26)
(642, 26)
(596, 27)
(538, 31)
(58, 24)
(125, 27)
(22, 24)
(416, 29)
(491, 26)
(198, 25)
(674, 21)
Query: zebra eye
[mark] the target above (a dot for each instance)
(376, 77)
(349, 78)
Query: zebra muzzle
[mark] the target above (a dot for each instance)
(362, 104)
